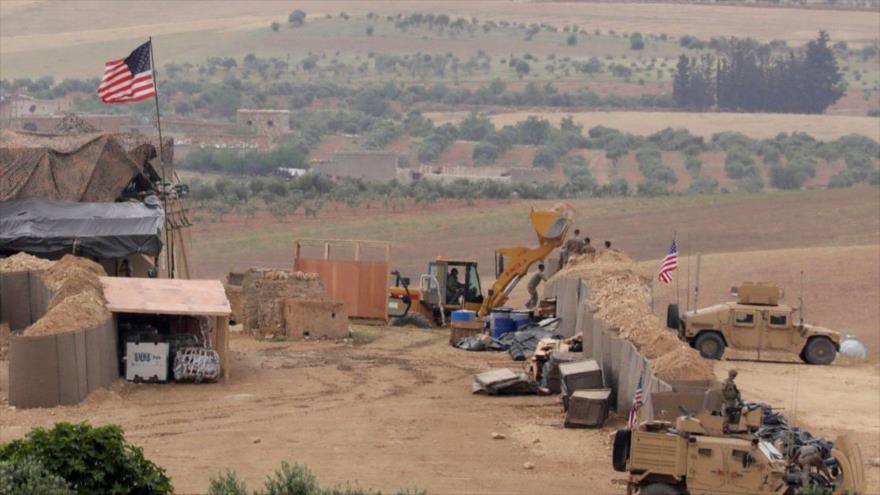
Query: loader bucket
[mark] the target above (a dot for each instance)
(552, 224)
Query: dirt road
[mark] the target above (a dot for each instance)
(397, 412)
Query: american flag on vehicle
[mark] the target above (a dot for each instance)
(670, 263)
(129, 79)
(638, 400)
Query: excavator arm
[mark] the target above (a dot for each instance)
(513, 263)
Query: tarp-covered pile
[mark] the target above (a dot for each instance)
(87, 167)
(99, 230)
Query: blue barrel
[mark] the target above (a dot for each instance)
(464, 315)
(496, 314)
(502, 326)
(521, 317)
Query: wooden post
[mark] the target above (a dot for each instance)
(221, 343)
(357, 251)
(326, 250)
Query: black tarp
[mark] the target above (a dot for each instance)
(97, 230)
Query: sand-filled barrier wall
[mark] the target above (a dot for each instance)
(606, 298)
(69, 348)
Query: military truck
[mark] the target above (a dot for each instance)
(703, 455)
(756, 321)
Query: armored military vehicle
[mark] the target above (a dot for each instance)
(756, 321)
(702, 454)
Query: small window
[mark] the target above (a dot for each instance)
(270, 123)
(739, 454)
(778, 320)
(32, 109)
(705, 452)
(744, 318)
(250, 122)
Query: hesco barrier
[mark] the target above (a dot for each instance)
(51, 370)
(23, 298)
(623, 367)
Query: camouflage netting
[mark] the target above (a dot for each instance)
(81, 166)
(620, 295)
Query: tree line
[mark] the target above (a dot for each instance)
(748, 76)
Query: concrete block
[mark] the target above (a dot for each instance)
(315, 319)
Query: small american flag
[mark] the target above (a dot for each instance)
(670, 263)
(129, 79)
(638, 400)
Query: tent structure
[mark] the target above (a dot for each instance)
(98, 230)
(86, 167)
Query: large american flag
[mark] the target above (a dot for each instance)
(670, 263)
(638, 400)
(129, 79)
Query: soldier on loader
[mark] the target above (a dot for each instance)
(536, 279)
(454, 287)
(572, 246)
(587, 247)
(731, 397)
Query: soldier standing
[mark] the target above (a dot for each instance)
(587, 247)
(572, 246)
(532, 287)
(732, 398)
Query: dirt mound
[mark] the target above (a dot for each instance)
(22, 262)
(76, 312)
(620, 295)
(77, 280)
(683, 363)
(60, 270)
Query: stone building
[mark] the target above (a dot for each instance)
(371, 166)
(266, 122)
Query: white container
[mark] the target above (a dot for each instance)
(146, 361)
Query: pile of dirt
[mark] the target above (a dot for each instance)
(63, 268)
(23, 262)
(683, 363)
(76, 312)
(77, 280)
(620, 295)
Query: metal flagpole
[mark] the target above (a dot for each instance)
(677, 278)
(687, 291)
(169, 247)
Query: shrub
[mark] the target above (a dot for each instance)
(544, 157)
(636, 42)
(703, 185)
(841, 179)
(752, 184)
(29, 477)
(92, 459)
(485, 152)
(571, 40)
(693, 164)
(227, 483)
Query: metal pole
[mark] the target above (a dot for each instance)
(697, 284)
(677, 279)
(169, 247)
(687, 299)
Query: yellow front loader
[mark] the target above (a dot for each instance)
(433, 300)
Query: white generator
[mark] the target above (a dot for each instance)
(146, 361)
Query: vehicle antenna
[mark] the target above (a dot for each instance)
(791, 446)
(801, 298)
(687, 299)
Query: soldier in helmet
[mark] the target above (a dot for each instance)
(732, 398)
(807, 457)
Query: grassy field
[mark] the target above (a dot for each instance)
(641, 226)
(825, 127)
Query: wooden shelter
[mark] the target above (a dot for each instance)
(174, 297)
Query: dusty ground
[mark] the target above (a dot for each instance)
(398, 412)
(394, 412)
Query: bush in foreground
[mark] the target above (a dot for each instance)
(89, 459)
(294, 479)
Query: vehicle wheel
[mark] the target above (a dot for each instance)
(412, 319)
(620, 450)
(819, 350)
(658, 489)
(710, 345)
(672, 318)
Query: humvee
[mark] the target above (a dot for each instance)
(756, 321)
(702, 455)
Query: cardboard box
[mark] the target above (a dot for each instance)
(587, 408)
